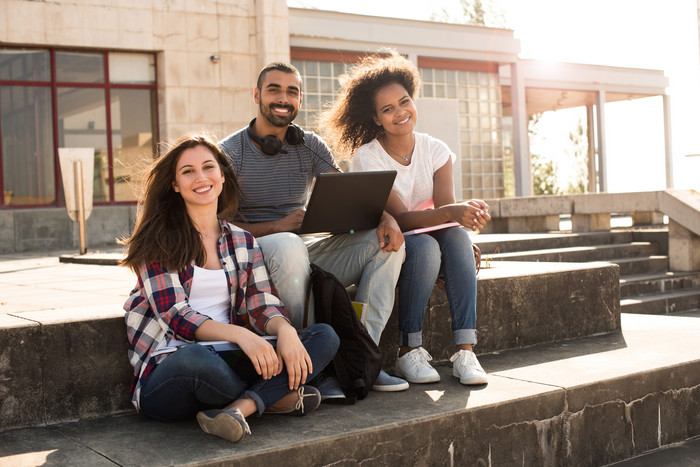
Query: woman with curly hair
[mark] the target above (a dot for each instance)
(373, 123)
(203, 302)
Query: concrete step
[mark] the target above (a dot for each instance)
(580, 253)
(642, 284)
(53, 355)
(663, 302)
(584, 402)
(521, 304)
(509, 243)
(644, 265)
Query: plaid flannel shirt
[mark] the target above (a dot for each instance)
(158, 310)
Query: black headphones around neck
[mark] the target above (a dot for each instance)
(271, 144)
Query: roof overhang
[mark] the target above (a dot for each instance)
(332, 30)
(556, 85)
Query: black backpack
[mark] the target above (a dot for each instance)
(357, 363)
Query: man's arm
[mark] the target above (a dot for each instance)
(289, 223)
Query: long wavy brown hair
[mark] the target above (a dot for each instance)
(349, 123)
(164, 231)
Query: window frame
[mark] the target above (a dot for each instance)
(54, 85)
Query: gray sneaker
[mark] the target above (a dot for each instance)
(328, 386)
(387, 383)
(227, 424)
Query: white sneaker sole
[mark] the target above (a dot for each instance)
(390, 387)
(472, 380)
(418, 380)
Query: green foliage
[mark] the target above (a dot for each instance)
(544, 170)
(578, 153)
(544, 176)
(476, 12)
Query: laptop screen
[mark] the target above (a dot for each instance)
(345, 202)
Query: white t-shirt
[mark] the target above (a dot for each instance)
(414, 182)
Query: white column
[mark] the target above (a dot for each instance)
(521, 149)
(602, 149)
(667, 141)
(590, 135)
(272, 31)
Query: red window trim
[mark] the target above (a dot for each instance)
(454, 64)
(54, 85)
(324, 55)
(349, 56)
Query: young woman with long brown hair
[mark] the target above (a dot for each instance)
(204, 301)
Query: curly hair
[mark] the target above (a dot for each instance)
(164, 231)
(349, 123)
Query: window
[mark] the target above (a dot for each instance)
(52, 98)
(320, 86)
(480, 122)
(477, 91)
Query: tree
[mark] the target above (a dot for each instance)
(477, 12)
(544, 170)
(544, 176)
(578, 153)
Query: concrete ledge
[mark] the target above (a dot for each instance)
(589, 401)
(52, 229)
(63, 366)
(590, 222)
(80, 367)
(521, 304)
(684, 248)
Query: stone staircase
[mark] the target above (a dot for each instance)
(573, 381)
(646, 284)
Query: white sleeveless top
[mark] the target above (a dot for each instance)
(209, 295)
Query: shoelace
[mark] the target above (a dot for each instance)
(300, 403)
(243, 421)
(421, 356)
(465, 355)
(467, 359)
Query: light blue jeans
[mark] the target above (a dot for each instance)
(353, 258)
(196, 377)
(447, 252)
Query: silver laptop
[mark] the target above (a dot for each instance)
(345, 202)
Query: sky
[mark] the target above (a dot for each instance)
(656, 34)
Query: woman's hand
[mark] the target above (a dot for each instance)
(260, 352)
(473, 214)
(293, 354)
(290, 350)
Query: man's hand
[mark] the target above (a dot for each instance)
(388, 233)
(291, 222)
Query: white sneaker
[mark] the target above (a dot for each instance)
(466, 367)
(414, 367)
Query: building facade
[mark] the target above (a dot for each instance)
(122, 76)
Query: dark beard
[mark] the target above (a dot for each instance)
(276, 120)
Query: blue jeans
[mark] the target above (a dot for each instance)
(352, 258)
(447, 252)
(195, 377)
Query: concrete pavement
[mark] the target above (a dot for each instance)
(537, 386)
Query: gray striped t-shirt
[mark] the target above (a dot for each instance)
(274, 186)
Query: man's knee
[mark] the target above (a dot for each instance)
(284, 249)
